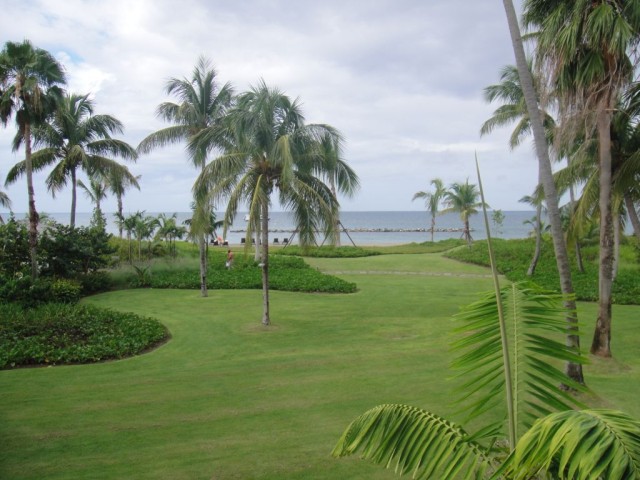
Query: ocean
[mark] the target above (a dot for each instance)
(364, 228)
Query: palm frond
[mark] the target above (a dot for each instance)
(533, 317)
(415, 441)
(578, 445)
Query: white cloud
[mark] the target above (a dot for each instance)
(402, 80)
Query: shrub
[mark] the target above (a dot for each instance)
(65, 291)
(56, 334)
(325, 252)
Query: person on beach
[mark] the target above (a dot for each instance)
(229, 259)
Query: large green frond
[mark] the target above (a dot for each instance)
(536, 327)
(578, 445)
(414, 441)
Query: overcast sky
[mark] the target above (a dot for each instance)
(402, 80)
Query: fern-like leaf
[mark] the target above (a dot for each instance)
(414, 440)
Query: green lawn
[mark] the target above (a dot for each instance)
(228, 399)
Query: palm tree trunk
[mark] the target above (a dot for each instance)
(203, 265)
(264, 220)
(119, 197)
(33, 214)
(633, 215)
(258, 240)
(573, 370)
(536, 253)
(72, 220)
(467, 232)
(616, 245)
(433, 226)
(601, 344)
(572, 202)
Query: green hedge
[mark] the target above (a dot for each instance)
(513, 258)
(325, 252)
(56, 334)
(285, 273)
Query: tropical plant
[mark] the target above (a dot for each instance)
(118, 182)
(585, 47)
(4, 202)
(30, 87)
(96, 191)
(169, 231)
(76, 139)
(203, 103)
(432, 201)
(463, 198)
(545, 174)
(271, 149)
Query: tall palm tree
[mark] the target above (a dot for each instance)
(76, 139)
(463, 198)
(545, 173)
(432, 200)
(585, 46)
(272, 150)
(30, 87)
(202, 105)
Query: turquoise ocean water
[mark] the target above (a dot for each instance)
(365, 228)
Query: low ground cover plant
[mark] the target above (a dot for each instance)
(513, 258)
(55, 334)
(287, 273)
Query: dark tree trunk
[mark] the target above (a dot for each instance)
(578, 249)
(433, 226)
(203, 265)
(573, 370)
(264, 220)
(120, 214)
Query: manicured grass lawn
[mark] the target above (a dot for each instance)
(229, 399)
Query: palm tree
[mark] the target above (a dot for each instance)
(30, 80)
(585, 47)
(129, 224)
(118, 181)
(537, 201)
(432, 200)
(203, 103)
(545, 174)
(4, 202)
(96, 191)
(75, 139)
(169, 231)
(463, 198)
(272, 150)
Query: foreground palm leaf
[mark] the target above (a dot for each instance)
(578, 445)
(415, 441)
(530, 314)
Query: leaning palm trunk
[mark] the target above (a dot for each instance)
(601, 344)
(536, 253)
(572, 203)
(573, 370)
(633, 215)
(264, 221)
(33, 214)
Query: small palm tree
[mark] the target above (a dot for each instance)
(272, 150)
(432, 201)
(96, 191)
(463, 198)
(118, 181)
(30, 87)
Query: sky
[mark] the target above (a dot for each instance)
(402, 80)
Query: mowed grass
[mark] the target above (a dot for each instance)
(229, 399)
